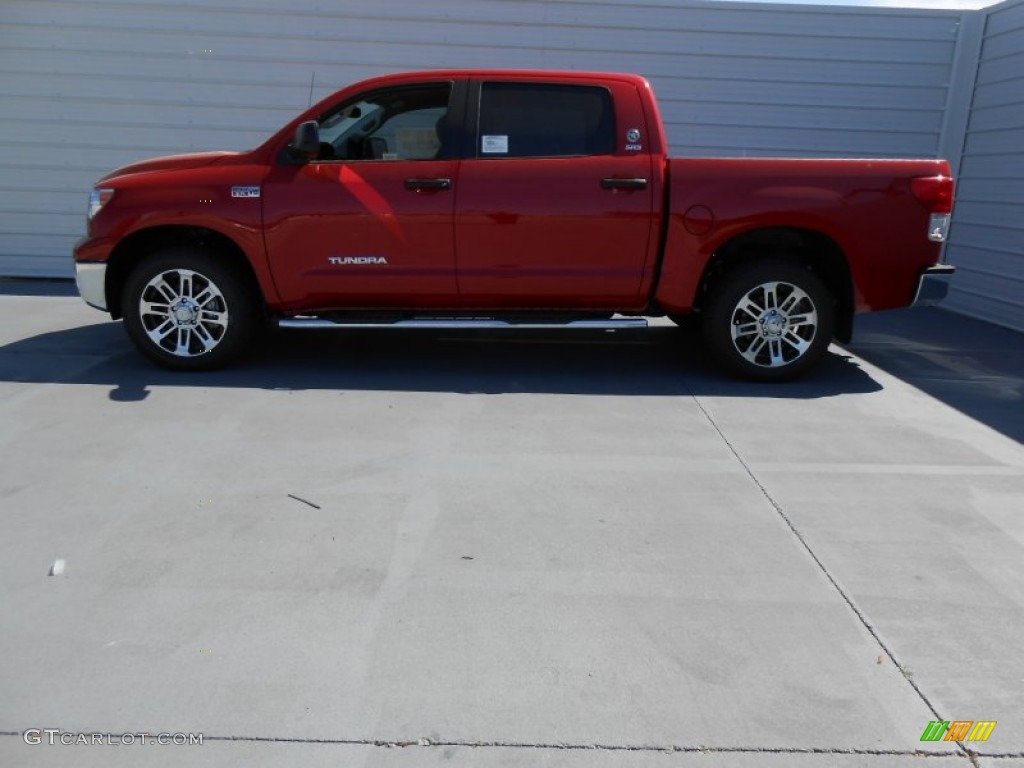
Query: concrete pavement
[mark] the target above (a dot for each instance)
(557, 549)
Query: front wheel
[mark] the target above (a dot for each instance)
(186, 311)
(769, 321)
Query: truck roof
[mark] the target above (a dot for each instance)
(533, 74)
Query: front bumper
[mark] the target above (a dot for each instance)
(91, 278)
(933, 285)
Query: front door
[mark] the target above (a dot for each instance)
(368, 222)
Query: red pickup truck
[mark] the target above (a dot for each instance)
(507, 199)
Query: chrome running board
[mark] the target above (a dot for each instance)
(455, 323)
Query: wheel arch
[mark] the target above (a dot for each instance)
(810, 248)
(137, 246)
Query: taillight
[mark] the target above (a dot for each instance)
(934, 192)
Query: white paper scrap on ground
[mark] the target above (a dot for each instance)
(58, 567)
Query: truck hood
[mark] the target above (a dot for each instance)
(171, 162)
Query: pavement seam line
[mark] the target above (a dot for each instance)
(810, 551)
(569, 746)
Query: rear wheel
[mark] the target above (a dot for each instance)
(186, 311)
(769, 321)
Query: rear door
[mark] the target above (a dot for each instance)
(554, 206)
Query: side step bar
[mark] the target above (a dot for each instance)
(454, 323)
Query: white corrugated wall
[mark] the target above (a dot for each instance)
(987, 238)
(87, 85)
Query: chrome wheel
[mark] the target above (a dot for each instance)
(774, 324)
(183, 312)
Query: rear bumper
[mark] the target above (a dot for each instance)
(933, 285)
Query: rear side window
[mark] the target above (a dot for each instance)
(541, 120)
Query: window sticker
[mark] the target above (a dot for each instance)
(494, 145)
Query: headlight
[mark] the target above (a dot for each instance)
(97, 199)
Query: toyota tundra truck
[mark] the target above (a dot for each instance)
(507, 199)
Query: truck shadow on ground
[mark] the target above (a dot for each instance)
(971, 365)
(661, 361)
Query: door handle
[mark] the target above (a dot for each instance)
(428, 183)
(623, 183)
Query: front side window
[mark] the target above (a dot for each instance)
(398, 124)
(542, 120)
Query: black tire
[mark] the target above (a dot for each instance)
(198, 317)
(768, 320)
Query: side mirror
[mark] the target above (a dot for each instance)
(306, 144)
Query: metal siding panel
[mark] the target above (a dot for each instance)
(152, 91)
(992, 214)
(986, 119)
(1003, 68)
(806, 94)
(1004, 44)
(153, 140)
(1006, 18)
(1005, 143)
(679, 17)
(734, 142)
(23, 155)
(999, 94)
(714, 67)
(38, 244)
(44, 264)
(992, 297)
(227, 35)
(991, 167)
(811, 119)
(989, 262)
(691, 140)
(126, 115)
(51, 221)
(69, 201)
(974, 301)
(987, 238)
(106, 83)
(16, 181)
(989, 191)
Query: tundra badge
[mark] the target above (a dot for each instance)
(357, 260)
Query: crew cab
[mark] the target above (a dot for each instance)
(507, 199)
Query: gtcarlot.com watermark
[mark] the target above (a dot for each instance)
(55, 736)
